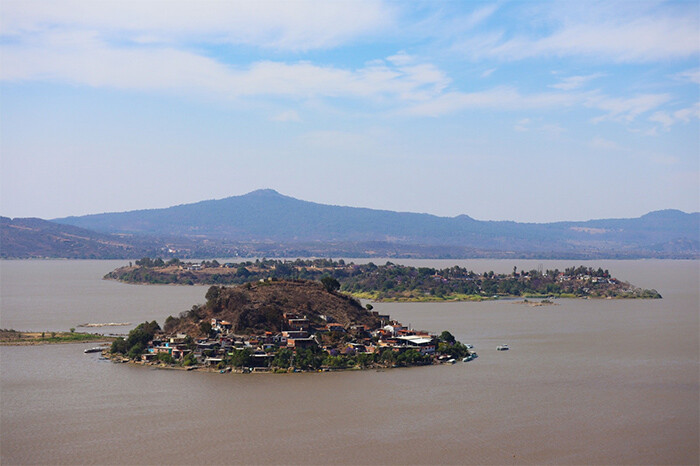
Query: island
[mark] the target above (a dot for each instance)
(284, 326)
(390, 282)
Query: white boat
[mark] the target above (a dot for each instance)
(96, 349)
(502, 347)
(471, 357)
(468, 346)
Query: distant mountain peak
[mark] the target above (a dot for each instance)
(267, 192)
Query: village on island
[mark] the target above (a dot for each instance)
(260, 338)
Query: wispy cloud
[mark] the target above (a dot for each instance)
(684, 115)
(623, 36)
(689, 75)
(624, 108)
(574, 82)
(83, 59)
(499, 98)
(297, 25)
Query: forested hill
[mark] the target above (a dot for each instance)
(267, 216)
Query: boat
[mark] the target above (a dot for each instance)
(96, 349)
(502, 347)
(471, 357)
(451, 361)
(468, 346)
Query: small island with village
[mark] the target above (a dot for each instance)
(284, 326)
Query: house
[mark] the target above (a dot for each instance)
(305, 342)
(298, 323)
(426, 345)
(221, 326)
(335, 328)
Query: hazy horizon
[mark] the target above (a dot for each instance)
(527, 111)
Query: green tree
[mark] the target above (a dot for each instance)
(205, 327)
(283, 358)
(330, 284)
(447, 337)
(240, 358)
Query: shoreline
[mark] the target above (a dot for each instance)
(206, 369)
(20, 338)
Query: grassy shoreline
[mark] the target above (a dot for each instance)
(18, 338)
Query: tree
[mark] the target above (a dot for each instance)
(213, 294)
(241, 358)
(283, 358)
(205, 327)
(447, 337)
(330, 284)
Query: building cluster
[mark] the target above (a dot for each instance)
(299, 333)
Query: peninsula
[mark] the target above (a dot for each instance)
(284, 326)
(390, 282)
(11, 337)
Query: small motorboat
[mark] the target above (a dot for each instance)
(471, 357)
(503, 347)
(96, 349)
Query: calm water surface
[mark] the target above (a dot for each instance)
(585, 382)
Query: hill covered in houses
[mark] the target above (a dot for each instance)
(257, 307)
(284, 326)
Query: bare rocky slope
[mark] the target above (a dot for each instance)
(254, 308)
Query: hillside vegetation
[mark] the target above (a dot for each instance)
(390, 282)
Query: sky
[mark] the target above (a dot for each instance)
(528, 111)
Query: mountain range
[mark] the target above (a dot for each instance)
(265, 222)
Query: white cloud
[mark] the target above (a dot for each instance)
(488, 72)
(690, 75)
(668, 119)
(287, 25)
(574, 82)
(83, 59)
(500, 98)
(624, 108)
(623, 36)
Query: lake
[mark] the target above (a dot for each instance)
(585, 382)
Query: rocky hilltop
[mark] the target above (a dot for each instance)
(254, 308)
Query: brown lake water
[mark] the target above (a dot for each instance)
(585, 382)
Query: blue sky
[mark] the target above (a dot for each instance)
(527, 111)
